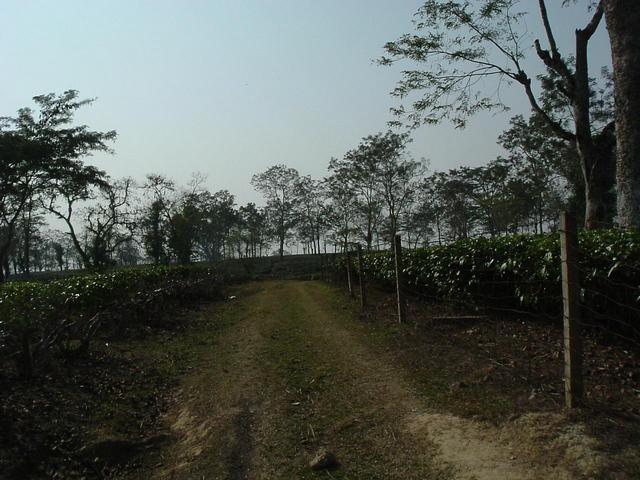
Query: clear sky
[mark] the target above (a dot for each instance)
(231, 87)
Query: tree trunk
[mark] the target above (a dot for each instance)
(369, 229)
(594, 207)
(594, 200)
(577, 90)
(394, 228)
(27, 239)
(4, 262)
(86, 261)
(6, 269)
(623, 20)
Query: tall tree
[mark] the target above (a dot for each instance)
(110, 222)
(279, 185)
(29, 225)
(463, 42)
(41, 148)
(358, 169)
(184, 226)
(153, 236)
(623, 18)
(66, 192)
(420, 219)
(342, 207)
(395, 175)
(456, 213)
(254, 221)
(546, 173)
(157, 216)
(219, 217)
(310, 211)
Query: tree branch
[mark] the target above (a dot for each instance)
(591, 27)
(557, 128)
(547, 29)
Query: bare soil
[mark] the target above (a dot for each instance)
(253, 387)
(299, 368)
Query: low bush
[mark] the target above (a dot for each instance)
(36, 317)
(523, 272)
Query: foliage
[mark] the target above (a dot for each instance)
(519, 271)
(460, 47)
(37, 316)
(378, 174)
(40, 158)
(152, 236)
(280, 186)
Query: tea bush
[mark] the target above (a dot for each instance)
(523, 272)
(36, 316)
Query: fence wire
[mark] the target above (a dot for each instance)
(609, 299)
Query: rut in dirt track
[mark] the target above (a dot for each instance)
(288, 372)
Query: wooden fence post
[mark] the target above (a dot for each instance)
(573, 387)
(399, 278)
(363, 295)
(349, 276)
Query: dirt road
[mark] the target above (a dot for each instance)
(285, 369)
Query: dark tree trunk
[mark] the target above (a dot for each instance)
(6, 269)
(577, 90)
(604, 171)
(86, 261)
(4, 254)
(623, 21)
(26, 241)
(594, 206)
(594, 216)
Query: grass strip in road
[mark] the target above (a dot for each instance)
(327, 401)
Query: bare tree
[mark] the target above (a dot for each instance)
(110, 222)
(63, 196)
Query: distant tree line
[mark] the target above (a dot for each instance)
(373, 192)
(377, 190)
(103, 221)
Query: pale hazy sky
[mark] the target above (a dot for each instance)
(231, 87)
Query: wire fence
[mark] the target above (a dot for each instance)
(609, 303)
(523, 277)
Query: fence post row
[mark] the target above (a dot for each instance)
(349, 276)
(399, 277)
(363, 297)
(573, 386)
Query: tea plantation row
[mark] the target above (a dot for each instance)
(523, 272)
(40, 318)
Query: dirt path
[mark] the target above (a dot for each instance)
(286, 372)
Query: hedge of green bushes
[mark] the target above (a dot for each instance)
(38, 316)
(523, 271)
